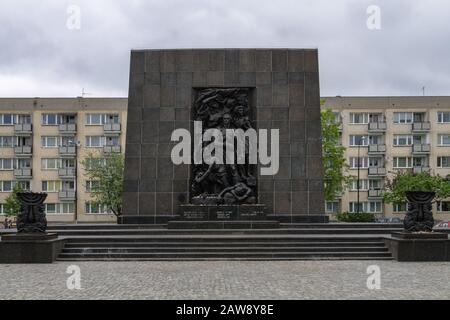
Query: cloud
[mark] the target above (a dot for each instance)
(40, 56)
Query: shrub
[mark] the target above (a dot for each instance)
(404, 181)
(355, 217)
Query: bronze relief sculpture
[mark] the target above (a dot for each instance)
(224, 183)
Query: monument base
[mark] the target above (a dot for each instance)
(430, 246)
(254, 224)
(195, 212)
(30, 248)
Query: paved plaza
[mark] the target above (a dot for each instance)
(227, 280)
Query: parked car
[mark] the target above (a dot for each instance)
(443, 225)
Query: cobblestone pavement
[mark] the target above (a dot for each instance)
(227, 280)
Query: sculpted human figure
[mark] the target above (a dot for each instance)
(239, 193)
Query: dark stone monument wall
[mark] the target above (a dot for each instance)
(285, 83)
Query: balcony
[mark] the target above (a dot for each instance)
(112, 128)
(375, 194)
(66, 172)
(67, 128)
(421, 148)
(23, 129)
(112, 149)
(377, 171)
(67, 151)
(377, 126)
(421, 169)
(377, 149)
(23, 151)
(23, 173)
(421, 126)
(67, 195)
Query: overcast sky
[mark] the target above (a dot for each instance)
(41, 56)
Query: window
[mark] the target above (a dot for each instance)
(363, 185)
(51, 185)
(60, 208)
(358, 140)
(95, 141)
(402, 140)
(112, 141)
(6, 186)
(2, 209)
(369, 206)
(402, 162)
(444, 117)
(376, 162)
(359, 118)
(6, 164)
(363, 162)
(375, 184)
(376, 140)
(67, 163)
(419, 162)
(51, 163)
(94, 208)
(7, 119)
(6, 142)
(94, 119)
(50, 119)
(376, 117)
(403, 117)
(332, 207)
(92, 185)
(24, 118)
(399, 207)
(444, 139)
(25, 184)
(443, 206)
(50, 142)
(68, 185)
(443, 162)
(112, 118)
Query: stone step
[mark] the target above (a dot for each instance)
(144, 250)
(331, 231)
(227, 259)
(168, 244)
(102, 226)
(226, 255)
(343, 225)
(226, 237)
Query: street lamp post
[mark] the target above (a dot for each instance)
(358, 179)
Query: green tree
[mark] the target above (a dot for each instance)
(335, 177)
(12, 203)
(404, 181)
(107, 174)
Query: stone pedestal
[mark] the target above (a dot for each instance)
(430, 246)
(192, 212)
(30, 248)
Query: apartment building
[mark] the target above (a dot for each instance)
(390, 134)
(43, 142)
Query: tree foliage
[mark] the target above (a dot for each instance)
(12, 204)
(107, 174)
(404, 181)
(333, 153)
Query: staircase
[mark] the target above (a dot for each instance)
(331, 241)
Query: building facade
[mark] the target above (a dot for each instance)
(43, 142)
(390, 134)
